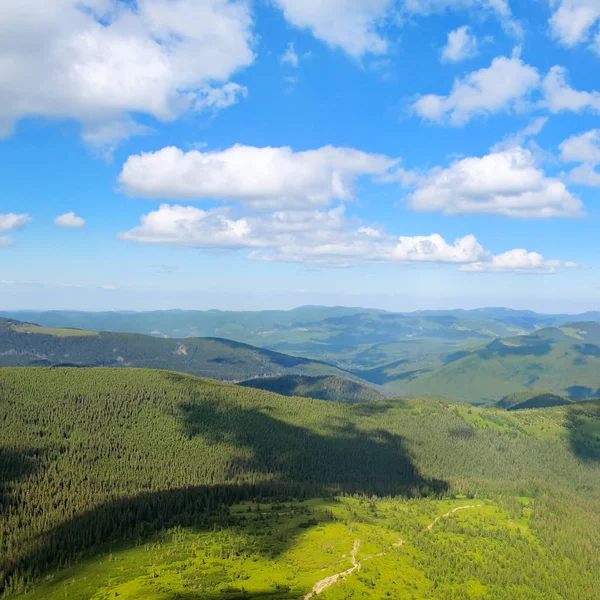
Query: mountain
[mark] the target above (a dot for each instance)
(338, 389)
(132, 483)
(563, 360)
(352, 338)
(532, 399)
(24, 344)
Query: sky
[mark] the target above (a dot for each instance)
(400, 154)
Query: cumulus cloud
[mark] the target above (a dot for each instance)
(585, 174)
(189, 226)
(500, 8)
(497, 88)
(560, 96)
(356, 26)
(99, 61)
(265, 178)
(351, 25)
(521, 137)
(290, 57)
(318, 237)
(507, 183)
(462, 44)
(518, 261)
(585, 149)
(211, 97)
(582, 148)
(12, 222)
(69, 219)
(573, 20)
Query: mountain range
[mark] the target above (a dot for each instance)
(562, 360)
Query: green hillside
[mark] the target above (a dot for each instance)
(26, 344)
(532, 399)
(333, 388)
(564, 361)
(148, 484)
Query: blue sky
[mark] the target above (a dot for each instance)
(245, 155)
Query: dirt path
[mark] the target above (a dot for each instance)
(322, 585)
(329, 581)
(432, 525)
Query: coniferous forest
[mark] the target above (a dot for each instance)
(97, 459)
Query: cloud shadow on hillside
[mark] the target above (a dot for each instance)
(345, 459)
(583, 424)
(271, 459)
(14, 466)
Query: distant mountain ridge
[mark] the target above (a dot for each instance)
(352, 337)
(28, 344)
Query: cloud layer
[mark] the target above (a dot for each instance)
(98, 61)
(320, 237)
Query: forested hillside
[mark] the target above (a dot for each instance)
(134, 469)
(23, 344)
(564, 361)
(333, 388)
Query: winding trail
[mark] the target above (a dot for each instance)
(329, 581)
(432, 525)
(323, 584)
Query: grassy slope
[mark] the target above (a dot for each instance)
(23, 344)
(532, 399)
(93, 455)
(564, 361)
(333, 388)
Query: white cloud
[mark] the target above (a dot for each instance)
(5, 241)
(573, 20)
(519, 261)
(500, 8)
(462, 44)
(189, 226)
(434, 248)
(356, 26)
(315, 237)
(497, 88)
(560, 96)
(290, 57)
(261, 177)
(99, 61)
(220, 97)
(585, 174)
(352, 25)
(12, 222)
(585, 149)
(69, 220)
(582, 148)
(507, 183)
(107, 135)
(522, 136)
